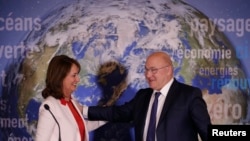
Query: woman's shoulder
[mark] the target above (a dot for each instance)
(50, 101)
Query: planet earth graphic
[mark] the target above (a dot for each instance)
(111, 39)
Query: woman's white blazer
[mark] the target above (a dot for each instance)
(47, 128)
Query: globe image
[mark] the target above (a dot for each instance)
(111, 39)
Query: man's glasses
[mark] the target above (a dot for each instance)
(154, 70)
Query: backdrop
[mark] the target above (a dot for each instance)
(207, 40)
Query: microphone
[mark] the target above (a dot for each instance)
(46, 106)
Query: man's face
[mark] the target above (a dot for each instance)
(157, 72)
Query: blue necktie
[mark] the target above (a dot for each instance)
(152, 122)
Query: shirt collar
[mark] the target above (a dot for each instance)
(64, 102)
(166, 88)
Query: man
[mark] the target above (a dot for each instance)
(181, 113)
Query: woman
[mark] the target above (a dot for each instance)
(60, 116)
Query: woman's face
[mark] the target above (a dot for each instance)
(70, 82)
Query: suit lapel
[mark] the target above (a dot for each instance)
(171, 96)
(68, 114)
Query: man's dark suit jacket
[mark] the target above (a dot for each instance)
(183, 116)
